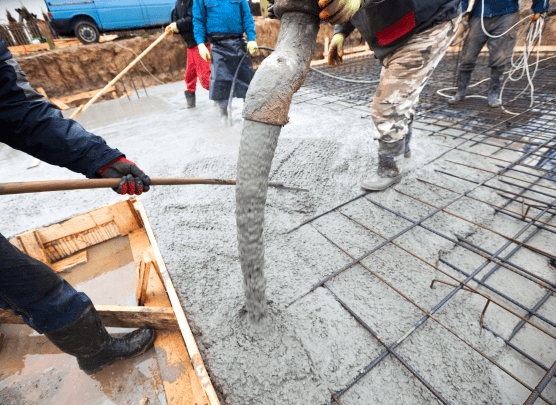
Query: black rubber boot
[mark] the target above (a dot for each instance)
(87, 339)
(496, 75)
(407, 150)
(190, 98)
(390, 163)
(463, 83)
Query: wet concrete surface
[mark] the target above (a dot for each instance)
(313, 344)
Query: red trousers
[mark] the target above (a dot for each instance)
(196, 67)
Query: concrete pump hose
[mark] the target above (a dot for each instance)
(265, 111)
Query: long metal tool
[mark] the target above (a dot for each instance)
(64, 185)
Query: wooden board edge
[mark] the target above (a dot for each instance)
(120, 317)
(187, 334)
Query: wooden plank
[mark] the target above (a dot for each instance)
(32, 246)
(144, 283)
(75, 225)
(17, 243)
(82, 96)
(188, 337)
(121, 317)
(59, 104)
(138, 241)
(28, 48)
(140, 277)
(70, 262)
(181, 385)
(41, 91)
(107, 38)
(124, 218)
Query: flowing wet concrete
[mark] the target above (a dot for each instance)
(313, 344)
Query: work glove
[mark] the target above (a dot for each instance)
(252, 47)
(336, 50)
(204, 52)
(537, 16)
(338, 11)
(174, 28)
(134, 181)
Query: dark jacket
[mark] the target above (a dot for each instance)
(494, 8)
(32, 125)
(388, 24)
(182, 15)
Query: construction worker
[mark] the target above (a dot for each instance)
(197, 67)
(225, 22)
(31, 289)
(409, 38)
(498, 18)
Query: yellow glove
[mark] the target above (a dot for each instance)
(537, 16)
(204, 52)
(174, 28)
(336, 50)
(338, 11)
(252, 47)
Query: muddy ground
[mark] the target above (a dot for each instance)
(314, 344)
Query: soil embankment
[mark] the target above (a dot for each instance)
(80, 69)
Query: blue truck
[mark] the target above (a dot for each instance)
(88, 18)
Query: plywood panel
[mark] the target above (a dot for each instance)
(70, 262)
(32, 247)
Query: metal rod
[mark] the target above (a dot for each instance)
(541, 386)
(123, 84)
(131, 78)
(528, 316)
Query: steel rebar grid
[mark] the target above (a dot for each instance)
(427, 313)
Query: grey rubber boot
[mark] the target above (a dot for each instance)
(407, 150)
(463, 83)
(190, 98)
(87, 339)
(495, 83)
(390, 163)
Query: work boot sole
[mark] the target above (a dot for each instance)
(382, 184)
(91, 371)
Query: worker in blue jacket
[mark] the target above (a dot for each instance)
(30, 288)
(498, 16)
(224, 22)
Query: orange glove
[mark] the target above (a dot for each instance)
(537, 16)
(336, 50)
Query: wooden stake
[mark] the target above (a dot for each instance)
(76, 113)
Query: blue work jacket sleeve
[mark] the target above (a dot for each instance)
(248, 21)
(199, 21)
(540, 6)
(33, 125)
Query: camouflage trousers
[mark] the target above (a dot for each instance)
(404, 75)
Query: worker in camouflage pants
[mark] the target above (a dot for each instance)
(409, 38)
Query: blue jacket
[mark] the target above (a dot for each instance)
(32, 125)
(501, 7)
(223, 17)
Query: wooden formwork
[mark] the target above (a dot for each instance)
(63, 246)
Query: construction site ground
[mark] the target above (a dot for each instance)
(323, 344)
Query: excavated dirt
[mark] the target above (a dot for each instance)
(314, 344)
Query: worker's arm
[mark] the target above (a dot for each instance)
(540, 6)
(248, 21)
(199, 21)
(32, 125)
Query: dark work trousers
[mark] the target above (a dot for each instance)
(500, 49)
(30, 288)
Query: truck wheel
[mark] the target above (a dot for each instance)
(87, 32)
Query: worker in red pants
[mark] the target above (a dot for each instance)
(197, 67)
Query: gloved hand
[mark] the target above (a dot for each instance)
(336, 50)
(134, 181)
(537, 16)
(204, 52)
(252, 47)
(174, 28)
(338, 11)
